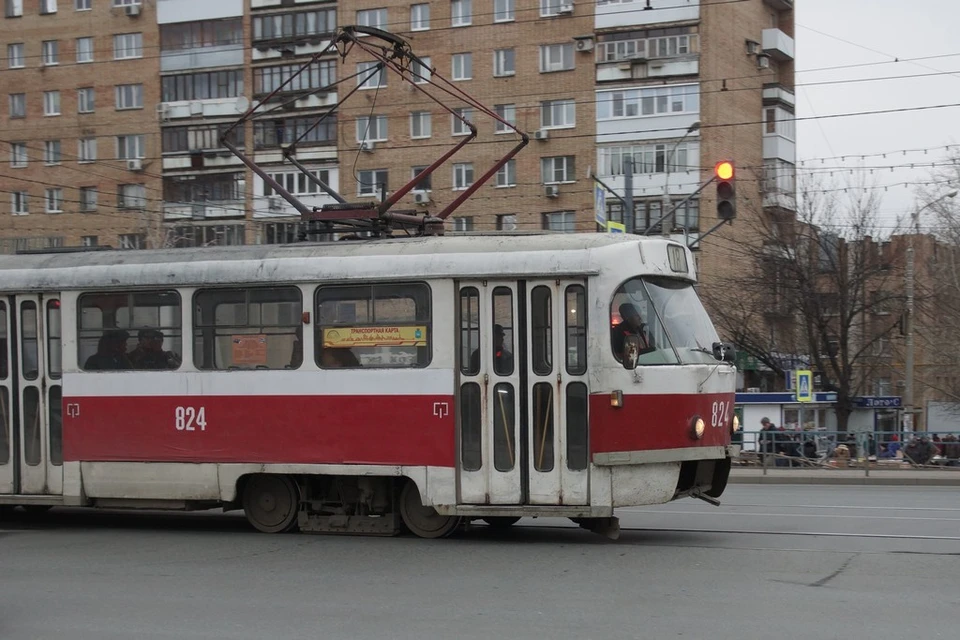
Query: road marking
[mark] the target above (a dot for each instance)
(781, 515)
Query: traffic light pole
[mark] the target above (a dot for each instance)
(693, 245)
(679, 204)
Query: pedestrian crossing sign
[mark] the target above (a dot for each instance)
(804, 386)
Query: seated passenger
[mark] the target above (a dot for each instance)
(502, 358)
(111, 353)
(632, 324)
(338, 358)
(149, 353)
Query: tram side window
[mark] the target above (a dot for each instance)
(247, 328)
(54, 332)
(576, 330)
(376, 326)
(122, 331)
(4, 356)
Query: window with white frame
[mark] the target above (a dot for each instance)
(18, 203)
(503, 63)
(420, 17)
(562, 221)
(15, 56)
(50, 52)
(13, 8)
(779, 176)
(127, 45)
(131, 196)
(294, 77)
(507, 222)
(18, 105)
(18, 154)
(297, 25)
(51, 152)
(420, 124)
(376, 18)
(88, 199)
(556, 57)
(461, 13)
(48, 6)
(423, 184)
(129, 96)
(779, 121)
(54, 200)
(648, 44)
(507, 174)
(88, 241)
(509, 113)
(652, 101)
(130, 147)
(555, 7)
(371, 75)
(504, 10)
(462, 175)
(125, 3)
(647, 158)
(372, 128)
(131, 241)
(82, 5)
(459, 127)
(297, 183)
(557, 169)
(84, 49)
(371, 182)
(463, 223)
(85, 100)
(462, 64)
(86, 149)
(556, 114)
(421, 70)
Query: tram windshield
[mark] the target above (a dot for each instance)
(667, 316)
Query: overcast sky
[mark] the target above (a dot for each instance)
(831, 33)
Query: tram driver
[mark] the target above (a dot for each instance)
(631, 325)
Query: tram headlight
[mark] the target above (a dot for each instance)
(735, 425)
(697, 427)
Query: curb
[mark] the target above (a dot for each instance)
(933, 481)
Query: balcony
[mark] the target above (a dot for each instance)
(271, 50)
(777, 147)
(780, 5)
(623, 13)
(777, 44)
(204, 210)
(201, 58)
(215, 107)
(219, 159)
(170, 11)
(775, 93)
(639, 68)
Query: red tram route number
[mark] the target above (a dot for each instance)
(190, 419)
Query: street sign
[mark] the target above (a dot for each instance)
(600, 204)
(616, 227)
(804, 386)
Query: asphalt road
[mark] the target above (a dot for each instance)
(772, 562)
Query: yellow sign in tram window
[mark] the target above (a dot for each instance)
(375, 337)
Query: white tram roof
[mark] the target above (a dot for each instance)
(461, 256)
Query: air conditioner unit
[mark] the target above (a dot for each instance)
(134, 164)
(763, 61)
(273, 203)
(583, 44)
(541, 134)
(196, 108)
(565, 8)
(421, 197)
(133, 10)
(367, 146)
(551, 191)
(163, 112)
(753, 47)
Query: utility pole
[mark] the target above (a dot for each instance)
(628, 216)
(666, 202)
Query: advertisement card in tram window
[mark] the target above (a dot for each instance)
(381, 336)
(249, 350)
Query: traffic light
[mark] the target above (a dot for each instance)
(726, 191)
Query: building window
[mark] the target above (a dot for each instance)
(88, 199)
(84, 49)
(303, 131)
(86, 149)
(297, 183)
(15, 58)
(316, 76)
(507, 222)
(54, 200)
(653, 101)
(18, 203)
(556, 57)
(207, 85)
(459, 127)
(131, 196)
(85, 100)
(647, 158)
(779, 176)
(198, 138)
(221, 235)
(420, 124)
(82, 5)
(425, 183)
(127, 45)
(461, 13)
(462, 175)
(125, 3)
(51, 152)
(463, 223)
(282, 232)
(507, 174)
(14, 8)
(421, 71)
(88, 241)
(371, 75)
(282, 26)
(131, 241)
(779, 121)
(18, 154)
(217, 187)
(51, 103)
(556, 114)
(650, 45)
(376, 18)
(462, 66)
(563, 221)
(504, 10)
(503, 63)
(554, 7)
(371, 182)
(509, 113)
(372, 129)
(420, 17)
(48, 7)
(130, 147)
(130, 96)
(557, 169)
(51, 52)
(199, 34)
(18, 105)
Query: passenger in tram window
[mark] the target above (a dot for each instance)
(296, 355)
(149, 353)
(338, 358)
(111, 352)
(631, 325)
(503, 359)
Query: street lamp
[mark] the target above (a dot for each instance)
(908, 409)
(666, 185)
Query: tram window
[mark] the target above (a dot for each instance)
(4, 356)
(633, 312)
(55, 415)
(471, 427)
(543, 426)
(4, 426)
(255, 328)
(504, 430)
(576, 330)
(28, 341)
(576, 426)
(375, 326)
(541, 327)
(54, 355)
(31, 426)
(129, 330)
(502, 331)
(469, 331)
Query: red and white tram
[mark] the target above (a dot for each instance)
(365, 386)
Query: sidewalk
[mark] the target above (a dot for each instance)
(932, 477)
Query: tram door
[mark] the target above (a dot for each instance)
(522, 398)
(31, 397)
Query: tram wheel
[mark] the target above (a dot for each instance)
(501, 522)
(423, 521)
(271, 503)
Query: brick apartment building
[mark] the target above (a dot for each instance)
(675, 85)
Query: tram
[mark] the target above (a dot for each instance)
(365, 387)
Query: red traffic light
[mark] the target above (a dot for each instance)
(724, 170)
